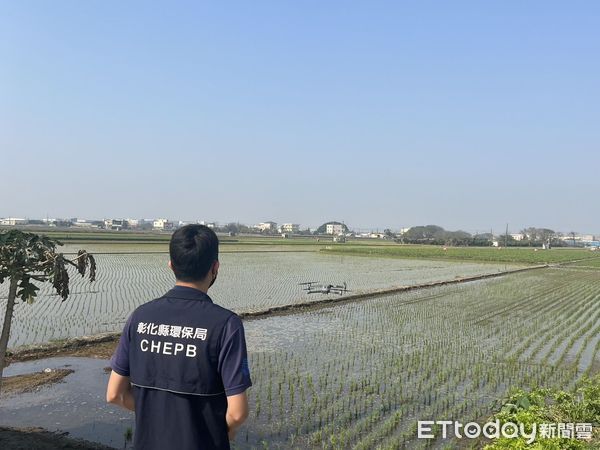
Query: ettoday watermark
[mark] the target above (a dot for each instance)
(510, 430)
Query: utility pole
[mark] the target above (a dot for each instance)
(506, 237)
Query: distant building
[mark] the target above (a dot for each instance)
(210, 225)
(134, 223)
(162, 224)
(518, 236)
(579, 239)
(334, 228)
(289, 228)
(183, 223)
(12, 221)
(568, 238)
(115, 224)
(266, 226)
(83, 223)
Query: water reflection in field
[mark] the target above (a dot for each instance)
(77, 405)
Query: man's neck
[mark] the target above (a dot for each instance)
(199, 285)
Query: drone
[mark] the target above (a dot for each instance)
(314, 287)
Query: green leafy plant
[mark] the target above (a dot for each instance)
(27, 258)
(581, 405)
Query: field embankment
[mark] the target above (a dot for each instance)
(328, 301)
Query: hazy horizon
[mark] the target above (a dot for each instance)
(464, 115)
(500, 230)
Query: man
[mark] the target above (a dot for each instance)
(181, 363)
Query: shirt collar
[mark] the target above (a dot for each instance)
(187, 293)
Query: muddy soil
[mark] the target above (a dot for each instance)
(40, 439)
(75, 404)
(18, 384)
(99, 347)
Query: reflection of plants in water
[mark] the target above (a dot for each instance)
(128, 435)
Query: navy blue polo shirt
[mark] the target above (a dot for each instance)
(184, 355)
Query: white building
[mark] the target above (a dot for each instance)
(12, 221)
(568, 238)
(518, 236)
(334, 228)
(207, 224)
(289, 228)
(133, 223)
(83, 223)
(266, 226)
(579, 238)
(162, 224)
(115, 224)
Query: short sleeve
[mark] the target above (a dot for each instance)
(233, 358)
(120, 359)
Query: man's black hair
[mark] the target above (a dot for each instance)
(193, 250)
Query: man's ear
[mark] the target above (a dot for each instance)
(215, 267)
(170, 265)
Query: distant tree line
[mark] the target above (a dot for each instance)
(436, 235)
(234, 228)
(538, 236)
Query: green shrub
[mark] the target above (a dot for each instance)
(551, 406)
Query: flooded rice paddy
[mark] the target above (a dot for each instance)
(247, 282)
(359, 375)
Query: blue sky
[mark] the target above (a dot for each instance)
(381, 114)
